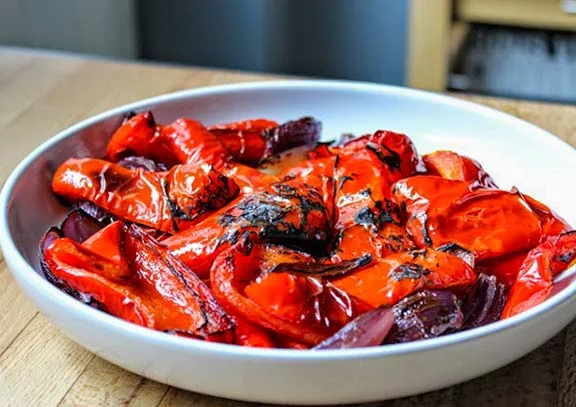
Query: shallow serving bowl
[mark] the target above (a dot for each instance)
(514, 152)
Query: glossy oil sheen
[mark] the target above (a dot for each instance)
(512, 151)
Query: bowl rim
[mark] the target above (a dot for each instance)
(23, 269)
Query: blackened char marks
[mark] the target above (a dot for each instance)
(295, 216)
(343, 180)
(409, 270)
(217, 193)
(392, 160)
(568, 256)
(422, 218)
(380, 215)
(176, 213)
(312, 269)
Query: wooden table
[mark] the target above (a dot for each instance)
(42, 93)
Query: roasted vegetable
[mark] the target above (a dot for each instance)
(219, 233)
(483, 302)
(292, 213)
(166, 201)
(253, 142)
(390, 279)
(488, 222)
(424, 315)
(146, 285)
(369, 329)
(300, 308)
(535, 278)
(452, 166)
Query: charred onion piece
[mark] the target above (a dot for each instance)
(368, 329)
(426, 314)
(96, 212)
(79, 225)
(255, 142)
(296, 133)
(147, 164)
(310, 269)
(483, 302)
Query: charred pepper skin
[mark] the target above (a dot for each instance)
(167, 201)
(535, 277)
(146, 286)
(292, 212)
(306, 310)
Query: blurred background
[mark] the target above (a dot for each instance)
(510, 48)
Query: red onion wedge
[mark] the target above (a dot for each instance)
(146, 164)
(302, 132)
(79, 225)
(426, 314)
(483, 302)
(368, 329)
(96, 212)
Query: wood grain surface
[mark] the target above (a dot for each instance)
(42, 93)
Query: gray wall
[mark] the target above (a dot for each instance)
(104, 27)
(352, 39)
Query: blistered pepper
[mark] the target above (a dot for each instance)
(535, 278)
(147, 286)
(290, 212)
(167, 201)
(387, 280)
(488, 222)
(232, 271)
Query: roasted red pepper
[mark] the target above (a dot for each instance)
(291, 212)
(387, 280)
(505, 268)
(187, 141)
(247, 140)
(167, 201)
(488, 222)
(232, 271)
(148, 286)
(535, 278)
(367, 220)
(318, 174)
(249, 334)
(182, 142)
(550, 222)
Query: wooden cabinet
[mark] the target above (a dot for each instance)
(545, 14)
(437, 29)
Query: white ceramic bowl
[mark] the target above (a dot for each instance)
(514, 152)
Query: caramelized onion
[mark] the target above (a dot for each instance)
(368, 329)
(426, 314)
(79, 225)
(146, 164)
(483, 302)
